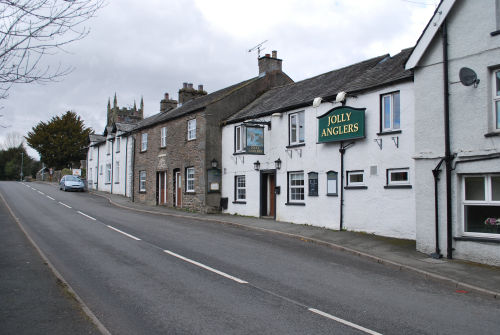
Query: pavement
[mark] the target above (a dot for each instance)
(33, 298)
(464, 276)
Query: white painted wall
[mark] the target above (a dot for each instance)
(471, 117)
(388, 212)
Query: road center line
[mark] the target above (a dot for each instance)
(124, 233)
(50, 197)
(41, 193)
(86, 215)
(206, 267)
(64, 204)
(347, 323)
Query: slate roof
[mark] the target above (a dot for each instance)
(96, 138)
(355, 78)
(192, 105)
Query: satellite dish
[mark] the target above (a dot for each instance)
(468, 77)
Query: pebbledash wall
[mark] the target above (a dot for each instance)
(473, 42)
(371, 206)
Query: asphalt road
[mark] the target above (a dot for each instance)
(147, 274)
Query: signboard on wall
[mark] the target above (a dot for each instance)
(341, 123)
(255, 140)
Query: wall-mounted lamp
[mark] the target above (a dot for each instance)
(277, 164)
(340, 96)
(317, 102)
(277, 114)
(256, 166)
(214, 163)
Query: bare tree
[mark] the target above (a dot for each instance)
(12, 140)
(31, 29)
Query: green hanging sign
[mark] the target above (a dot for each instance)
(341, 123)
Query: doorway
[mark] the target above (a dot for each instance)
(161, 188)
(268, 194)
(177, 188)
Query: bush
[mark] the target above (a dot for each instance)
(65, 172)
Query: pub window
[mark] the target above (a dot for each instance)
(398, 176)
(117, 172)
(390, 112)
(481, 205)
(142, 181)
(240, 188)
(331, 183)
(190, 179)
(100, 170)
(355, 178)
(496, 99)
(313, 183)
(296, 128)
(108, 147)
(118, 142)
(239, 139)
(144, 142)
(295, 186)
(107, 176)
(91, 153)
(191, 131)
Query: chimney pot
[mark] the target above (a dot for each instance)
(184, 85)
(275, 54)
(268, 55)
(190, 85)
(166, 96)
(200, 87)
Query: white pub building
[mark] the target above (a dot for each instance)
(333, 151)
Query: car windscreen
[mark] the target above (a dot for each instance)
(72, 178)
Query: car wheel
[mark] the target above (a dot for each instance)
(64, 189)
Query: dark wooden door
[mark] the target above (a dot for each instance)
(271, 195)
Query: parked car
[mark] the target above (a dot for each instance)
(71, 183)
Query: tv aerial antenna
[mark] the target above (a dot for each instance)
(258, 47)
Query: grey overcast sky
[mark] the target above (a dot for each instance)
(149, 47)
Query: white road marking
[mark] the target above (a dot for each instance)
(34, 189)
(124, 233)
(64, 204)
(86, 215)
(50, 197)
(347, 323)
(41, 193)
(206, 267)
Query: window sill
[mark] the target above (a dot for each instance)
(246, 153)
(492, 134)
(142, 192)
(189, 193)
(478, 239)
(355, 187)
(397, 186)
(117, 152)
(143, 151)
(240, 202)
(191, 139)
(389, 132)
(295, 204)
(495, 33)
(312, 195)
(291, 146)
(163, 147)
(332, 195)
(117, 182)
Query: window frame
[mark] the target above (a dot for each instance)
(108, 147)
(107, 174)
(238, 188)
(299, 116)
(391, 128)
(144, 142)
(355, 184)
(118, 143)
(117, 172)
(163, 137)
(190, 180)
(496, 100)
(328, 193)
(397, 183)
(240, 140)
(488, 201)
(142, 181)
(191, 131)
(291, 201)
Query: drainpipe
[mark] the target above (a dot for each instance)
(435, 173)
(133, 169)
(126, 156)
(112, 164)
(342, 152)
(97, 185)
(447, 143)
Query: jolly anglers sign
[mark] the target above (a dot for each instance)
(341, 123)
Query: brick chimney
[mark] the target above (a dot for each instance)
(187, 92)
(269, 63)
(167, 104)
